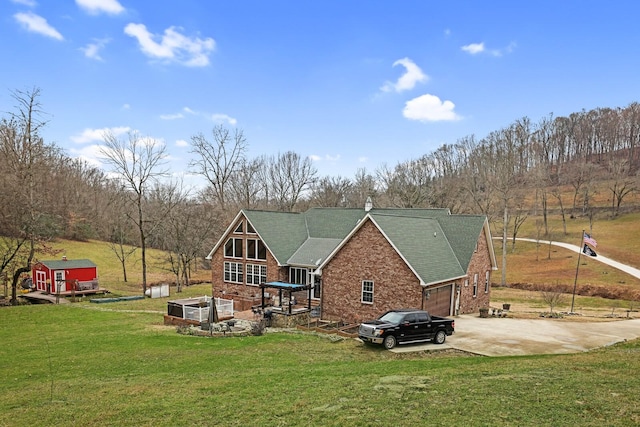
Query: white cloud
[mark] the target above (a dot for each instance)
(215, 117)
(412, 76)
(429, 108)
(363, 159)
(172, 116)
(90, 154)
(476, 48)
(182, 143)
(37, 24)
(92, 50)
(126, 107)
(94, 7)
(221, 118)
(173, 46)
(327, 157)
(473, 48)
(90, 135)
(28, 3)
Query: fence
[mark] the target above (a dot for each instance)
(201, 314)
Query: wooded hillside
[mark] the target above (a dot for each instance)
(585, 165)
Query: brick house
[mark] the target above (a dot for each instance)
(358, 263)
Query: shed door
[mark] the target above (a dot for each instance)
(41, 280)
(439, 302)
(61, 285)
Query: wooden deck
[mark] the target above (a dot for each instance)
(40, 296)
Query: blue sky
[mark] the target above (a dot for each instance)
(351, 84)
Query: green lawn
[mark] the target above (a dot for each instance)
(80, 364)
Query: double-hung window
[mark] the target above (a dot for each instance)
(475, 285)
(256, 274)
(486, 282)
(367, 291)
(233, 272)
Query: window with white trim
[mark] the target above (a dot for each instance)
(367, 291)
(475, 285)
(233, 272)
(233, 248)
(466, 282)
(486, 282)
(256, 274)
(238, 228)
(250, 229)
(256, 249)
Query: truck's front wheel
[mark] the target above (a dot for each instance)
(440, 337)
(389, 342)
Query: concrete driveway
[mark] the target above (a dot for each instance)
(514, 337)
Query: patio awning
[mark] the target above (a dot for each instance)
(285, 286)
(289, 288)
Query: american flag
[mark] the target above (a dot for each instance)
(590, 240)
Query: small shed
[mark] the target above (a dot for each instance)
(65, 275)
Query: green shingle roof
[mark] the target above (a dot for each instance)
(71, 263)
(281, 232)
(436, 245)
(313, 252)
(423, 244)
(462, 231)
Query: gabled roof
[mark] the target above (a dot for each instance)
(313, 251)
(463, 231)
(436, 245)
(423, 245)
(71, 263)
(281, 232)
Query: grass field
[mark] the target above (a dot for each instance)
(117, 364)
(79, 365)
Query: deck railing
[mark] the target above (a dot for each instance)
(224, 308)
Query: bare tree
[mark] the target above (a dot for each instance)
(552, 297)
(621, 182)
(186, 227)
(519, 219)
(581, 177)
(330, 192)
(121, 242)
(139, 164)
(477, 161)
(219, 159)
(25, 160)
(408, 184)
(363, 185)
(289, 176)
(247, 185)
(505, 153)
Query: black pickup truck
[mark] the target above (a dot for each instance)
(406, 326)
